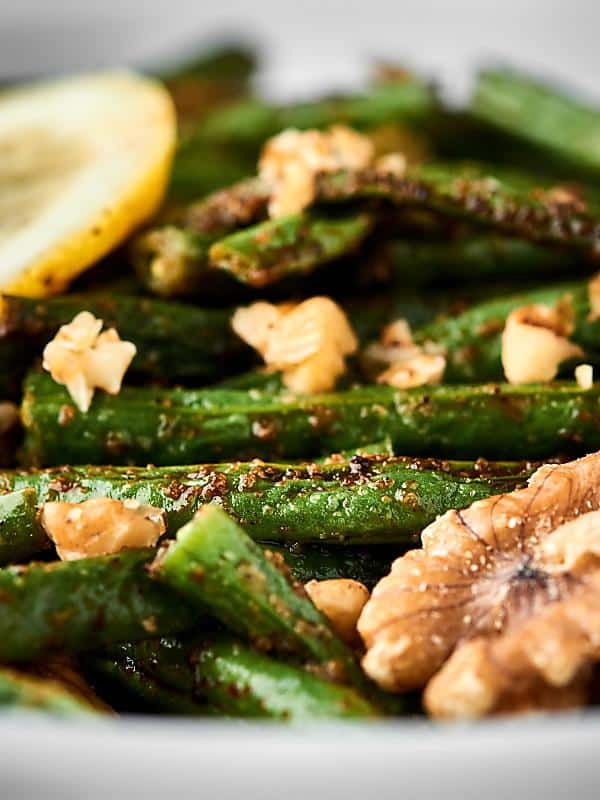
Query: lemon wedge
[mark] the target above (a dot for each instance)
(83, 161)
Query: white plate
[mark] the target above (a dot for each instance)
(308, 44)
(535, 758)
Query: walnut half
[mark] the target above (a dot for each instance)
(500, 609)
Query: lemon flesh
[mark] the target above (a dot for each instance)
(83, 162)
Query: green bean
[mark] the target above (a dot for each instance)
(217, 567)
(296, 244)
(508, 202)
(236, 681)
(79, 605)
(541, 116)
(494, 421)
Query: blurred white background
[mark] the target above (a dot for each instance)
(309, 43)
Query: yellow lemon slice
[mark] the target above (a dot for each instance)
(83, 161)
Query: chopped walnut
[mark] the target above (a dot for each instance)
(392, 163)
(565, 195)
(500, 609)
(83, 359)
(408, 364)
(535, 343)
(420, 370)
(255, 323)
(397, 335)
(101, 526)
(341, 600)
(394, 344)
(290, 161)
(308, 342)
(584, 375)
(594, 297)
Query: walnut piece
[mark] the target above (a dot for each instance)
(101, 526)
(308, 342)
(255, 323)
(565, 195)
(535, 343)
(341, 600)
(500, 609)
(408, 364)
(392, 163)
(290, 161)
(584, 375)
(397, 335)
(83, 359)
(420, 370)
